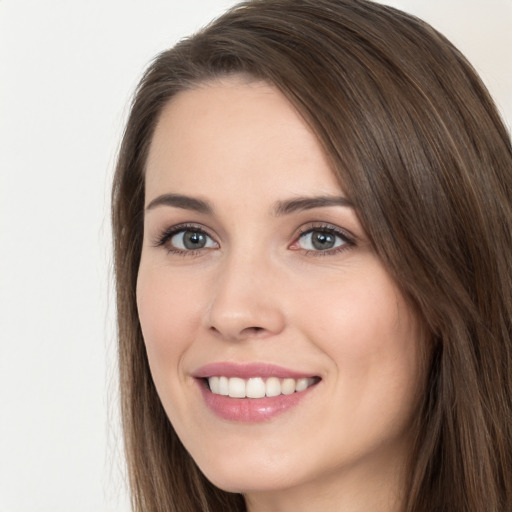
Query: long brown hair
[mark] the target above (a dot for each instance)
(420, 149)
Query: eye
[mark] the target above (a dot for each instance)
(189, 240)
(324, 239)
(185, 240)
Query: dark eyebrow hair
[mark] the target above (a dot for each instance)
(307, 203)
(280, 208)
(181, 201)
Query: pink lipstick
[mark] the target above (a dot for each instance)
(251, 393)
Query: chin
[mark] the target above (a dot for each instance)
(234, 474)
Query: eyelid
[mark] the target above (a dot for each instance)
(164, 236)
(349, 239)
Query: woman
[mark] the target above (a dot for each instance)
(312, 229)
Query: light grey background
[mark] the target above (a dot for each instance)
(67, 70)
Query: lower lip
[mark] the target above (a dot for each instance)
(250, 410)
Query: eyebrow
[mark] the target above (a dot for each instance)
(308, 203)
(280, 208)
(181, 201)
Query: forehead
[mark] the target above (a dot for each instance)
(235, 135)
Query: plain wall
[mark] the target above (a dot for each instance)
(67, 70)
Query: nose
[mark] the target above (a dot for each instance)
(246, 300)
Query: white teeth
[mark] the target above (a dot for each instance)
(302, 384)
(223, 386)
(273, 387)
(236, 387)
(288, 386)
(257, 387)
(214, 385)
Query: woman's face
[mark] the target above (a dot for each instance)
(258, 280)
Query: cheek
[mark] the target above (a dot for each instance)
(372, 338)
(169, 313)
(361, 314)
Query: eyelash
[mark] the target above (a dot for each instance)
(347, 239)
(163, 239)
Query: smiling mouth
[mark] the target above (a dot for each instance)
(258, 387)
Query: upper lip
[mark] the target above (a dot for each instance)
(246, 371)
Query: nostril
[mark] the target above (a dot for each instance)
(252, 330)
(244, 331)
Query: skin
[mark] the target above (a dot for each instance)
(260, 292)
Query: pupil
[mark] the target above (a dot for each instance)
(322, 241)
(194, 240)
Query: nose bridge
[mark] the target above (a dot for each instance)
(245, 299)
